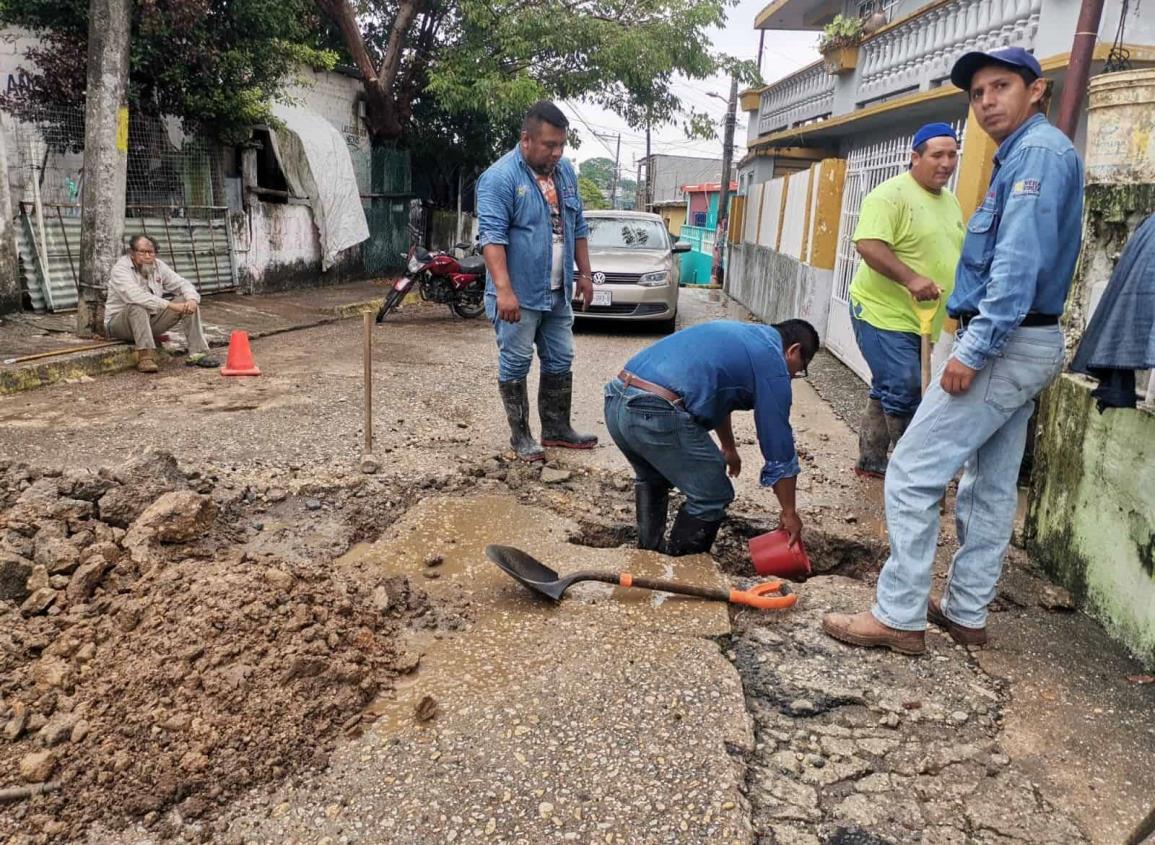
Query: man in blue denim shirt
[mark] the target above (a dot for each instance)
(1017, 262)
(661, 409)
(532, 232)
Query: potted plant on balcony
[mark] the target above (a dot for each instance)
(839, 44)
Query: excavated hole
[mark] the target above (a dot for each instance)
(830, 554)
(603, 535)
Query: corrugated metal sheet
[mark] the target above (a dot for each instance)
(196, 243)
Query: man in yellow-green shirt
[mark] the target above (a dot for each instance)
(909, 234)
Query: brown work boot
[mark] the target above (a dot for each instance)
(862, 629)
(146, 361)
(961, 634)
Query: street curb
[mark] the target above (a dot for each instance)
(83, 365)
(71, 368)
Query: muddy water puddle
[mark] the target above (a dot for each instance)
(515, 634)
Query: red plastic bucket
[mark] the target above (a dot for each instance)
(772, 555)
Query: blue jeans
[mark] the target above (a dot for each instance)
(551, 330)
(667, 446)
(984, 432)
(894, 361)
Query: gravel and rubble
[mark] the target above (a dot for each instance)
(157, 651)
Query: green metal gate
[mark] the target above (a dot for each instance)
(387, 210)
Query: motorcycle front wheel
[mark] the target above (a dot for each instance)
(392, 300)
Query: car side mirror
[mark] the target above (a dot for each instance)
(680, 246)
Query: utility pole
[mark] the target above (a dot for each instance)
(1079, 70)
(617, 178)
(649, 170)
(105, 157)
(724, 188)
(761, 44)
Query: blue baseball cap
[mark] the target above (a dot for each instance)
(932, 130)
(965, 68)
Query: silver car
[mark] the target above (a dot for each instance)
(635, 271)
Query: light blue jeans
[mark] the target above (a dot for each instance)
(551, 331)
(983, 431)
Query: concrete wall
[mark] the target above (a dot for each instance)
(777, 287)
(795, 215)
(278, 248)
(784, 266)
(1091, 520)
(670, 173)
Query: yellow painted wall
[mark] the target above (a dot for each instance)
(978, 160)
(826, 213)
(675, 217)
(737, 219)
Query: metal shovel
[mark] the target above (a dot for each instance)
(541, 579)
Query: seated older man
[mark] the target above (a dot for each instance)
(146, 298)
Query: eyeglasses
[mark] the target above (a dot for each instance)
(145, 251)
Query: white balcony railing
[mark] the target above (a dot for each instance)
(805, 96)
(922, 49)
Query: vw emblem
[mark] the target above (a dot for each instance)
(599, 278)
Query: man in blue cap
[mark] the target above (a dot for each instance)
(1017, 262)
(909, 234)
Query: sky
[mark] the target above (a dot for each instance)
(784, 53)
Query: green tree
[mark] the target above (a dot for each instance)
(216, 64)
(600, 171)
(497, 57)
(591, 195)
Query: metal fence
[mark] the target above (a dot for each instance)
(174, 193)
(388, 211)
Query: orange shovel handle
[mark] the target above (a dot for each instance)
(756, 596)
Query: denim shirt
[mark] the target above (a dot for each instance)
(725, 366)
(512, 212)
(1022, 243)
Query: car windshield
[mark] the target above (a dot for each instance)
(627, 233)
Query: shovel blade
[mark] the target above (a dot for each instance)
(528, 570)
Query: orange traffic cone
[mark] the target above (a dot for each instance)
(240, 358)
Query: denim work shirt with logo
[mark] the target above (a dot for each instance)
(725, 366)
(1022, 243)
(512, 212)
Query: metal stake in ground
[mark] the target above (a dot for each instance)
(369, 464)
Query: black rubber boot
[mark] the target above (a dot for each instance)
(554, 399)
(873, 440)
(896, 427)
(690, 535)
(651, 503)
(516, 400)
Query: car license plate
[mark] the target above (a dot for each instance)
(603, 297)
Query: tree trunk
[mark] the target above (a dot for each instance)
(382, 118)
(105, 157)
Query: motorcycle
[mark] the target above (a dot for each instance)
(440, 277)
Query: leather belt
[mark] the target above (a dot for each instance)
(630, 380)
(1031, 320)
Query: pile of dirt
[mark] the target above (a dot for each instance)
(147, 663)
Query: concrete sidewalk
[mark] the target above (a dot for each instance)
(51, 335)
